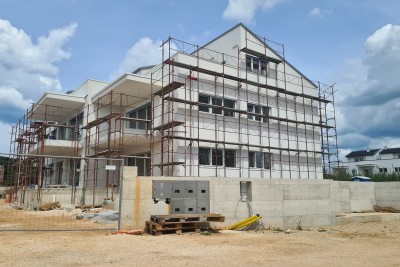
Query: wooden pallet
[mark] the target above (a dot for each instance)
(214, 218)
(172, 227)
(188, 218)
(180, 223)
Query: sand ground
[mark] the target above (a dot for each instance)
(363, 244)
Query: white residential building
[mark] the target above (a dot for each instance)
(373, 161)
(233, 108)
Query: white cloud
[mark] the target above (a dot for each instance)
(27, 68)
(319, 13)
(368, 100)
(143, 53)
(11, 97)
(244, 10)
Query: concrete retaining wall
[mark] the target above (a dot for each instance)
(387, 194)
(283, 203)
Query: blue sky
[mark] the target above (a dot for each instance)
(48, 45)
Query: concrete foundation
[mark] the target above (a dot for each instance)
(283, 203)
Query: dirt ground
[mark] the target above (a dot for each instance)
(59, 219)
(365, 244)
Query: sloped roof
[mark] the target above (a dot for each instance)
(264, 43)
(362, 153)
(390, 150)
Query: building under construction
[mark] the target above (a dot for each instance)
(234, 107)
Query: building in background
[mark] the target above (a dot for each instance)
(373, 161)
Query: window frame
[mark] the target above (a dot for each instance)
(230, 160)
(204, 157)
(262, 66)
(140, 125)
(259, 160)
(262, 117)
(208, 156)
(216, 101)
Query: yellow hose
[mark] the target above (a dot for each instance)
(244, 225)
(233, 226)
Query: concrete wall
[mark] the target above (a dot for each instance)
(283, 203)
(387, 194)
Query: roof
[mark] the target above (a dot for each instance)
(362, 153)
(264, 43)
(390, 150)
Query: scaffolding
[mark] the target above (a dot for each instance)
(82, 148)
(262, 114)
(205, 113)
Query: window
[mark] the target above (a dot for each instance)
(229, 104)
(206, 100)
(253, 64)
(204, 156)
(217, 157)
(142, 162)
(383, 170)
(230, 158)
(261, 66)
(263, 112)
(259, 160)
(216, 101)
(142, 114)
(396, 169)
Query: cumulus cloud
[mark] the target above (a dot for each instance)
(13, 104)
(369, 98)
(244, 10)
(319, 13)
(28, 68)
(143, 53)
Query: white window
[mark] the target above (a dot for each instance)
(259, 160)
(217, 157)
(257, 112)
(227, 104)
(143, 116)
